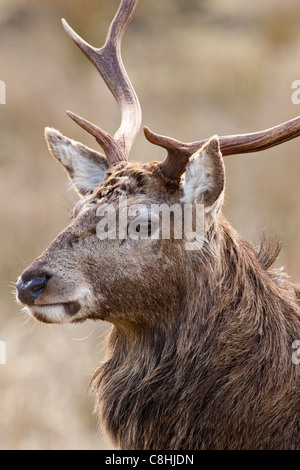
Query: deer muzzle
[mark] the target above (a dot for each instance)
(32, 292)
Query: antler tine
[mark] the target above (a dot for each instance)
(179, 153)
(108, 62)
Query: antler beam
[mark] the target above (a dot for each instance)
(178, 152)
(108, 62)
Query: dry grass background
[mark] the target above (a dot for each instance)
(200, 68)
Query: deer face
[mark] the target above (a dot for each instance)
(123, 278)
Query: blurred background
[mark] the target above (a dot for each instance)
(200, 67)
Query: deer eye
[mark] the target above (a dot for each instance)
(139, 228)
(140, 225)
(144, 228)
(144, 223)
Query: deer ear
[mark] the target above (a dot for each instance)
(85, 167)
(205, 177)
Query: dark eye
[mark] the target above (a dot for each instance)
(140, 229)
(144, 228)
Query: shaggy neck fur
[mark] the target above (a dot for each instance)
(219, 373)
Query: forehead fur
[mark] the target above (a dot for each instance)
(132, 178)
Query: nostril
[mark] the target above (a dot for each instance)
(31, 290)
(38, 285)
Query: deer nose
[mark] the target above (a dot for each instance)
(31, 290)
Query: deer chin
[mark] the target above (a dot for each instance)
(55, 313)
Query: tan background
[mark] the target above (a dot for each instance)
(199, 68)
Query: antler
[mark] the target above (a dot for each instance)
(109, 64)
(179, 152)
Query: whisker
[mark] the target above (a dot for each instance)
(85, 337)
(16, 255)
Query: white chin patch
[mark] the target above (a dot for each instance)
(56, 313)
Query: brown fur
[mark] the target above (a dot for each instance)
(218, 374)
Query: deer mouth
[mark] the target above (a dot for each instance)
(54, 313)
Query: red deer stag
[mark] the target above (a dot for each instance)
(200, 352)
